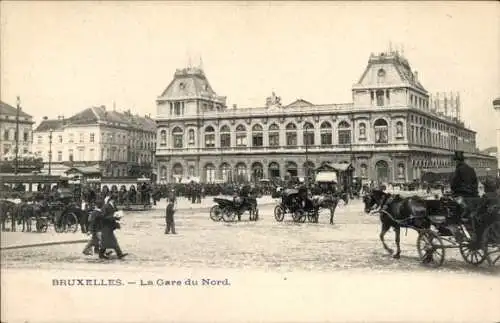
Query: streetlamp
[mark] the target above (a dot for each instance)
(18, 102)
(50, 150)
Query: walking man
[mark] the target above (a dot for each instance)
(169, 218)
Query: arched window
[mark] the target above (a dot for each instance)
(381, 131)
(241, 136)
(326, 133)
(225, 170)
(273, 170)
(209, 137)
(225, 136)
(257, 171)
(380, 98)
(291, 135)
(344, 133)
(241, 173)
(210, 173)
(257, 136)
(400, 130)
(191, 136)
(163, 138)
(6, 135)
(291, 169)
(308, 134)
(191, 171)
(274, 135)
(178, 134)
(362, 131)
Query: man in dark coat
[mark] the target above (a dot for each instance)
(109, 225)
(95, 230)
(169, 218)
(464, 188)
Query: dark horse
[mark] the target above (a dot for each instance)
(8, 210)
(397, 212)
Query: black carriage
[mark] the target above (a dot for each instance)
(298, 205)
(477, 237)
(228, 209)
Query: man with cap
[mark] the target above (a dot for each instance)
(464, 187)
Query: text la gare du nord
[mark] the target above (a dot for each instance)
(160, 282)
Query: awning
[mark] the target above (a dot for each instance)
(330, 177)
(335, 167)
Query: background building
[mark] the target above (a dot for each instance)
(8, 117)
(496, 107)
(118, 143)
(391, 132)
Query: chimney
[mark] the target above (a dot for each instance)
(415, 74)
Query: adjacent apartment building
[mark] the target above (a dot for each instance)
(119, 144)
(9, 119)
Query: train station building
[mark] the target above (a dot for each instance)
(392, 131)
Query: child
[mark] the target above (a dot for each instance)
(169, 218)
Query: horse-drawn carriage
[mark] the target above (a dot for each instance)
(296, 203)
(441, 224)
(230, 209)
(477, 237)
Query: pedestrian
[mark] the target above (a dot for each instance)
(110, 223)
(95, 230)
(169, 218)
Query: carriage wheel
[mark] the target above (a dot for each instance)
(59, 225)
(472, 253)
(71, 222)
(228, 215)
(430, 248)
(491, 243)
(39, 225)
(215, 213)
(279, 213)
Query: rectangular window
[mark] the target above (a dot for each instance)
(326, 139)
(210, 140)
(82, 137)
(241, 140)
(225, 140)
(177, 108)
(60, 139)
(257, 140)
(178, 141)
(59, 156)
(40, 140)
(92, 138)
(71, 138)
(26, 137)
(274, 139)
(6, 135)
(291, 139)
(70, 155)
(344, 137)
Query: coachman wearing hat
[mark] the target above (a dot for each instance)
(464, 186)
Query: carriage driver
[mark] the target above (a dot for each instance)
(464, 186)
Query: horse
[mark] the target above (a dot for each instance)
(329, 201)
(397, 212)
(8, 209)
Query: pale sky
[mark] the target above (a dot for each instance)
(62, 57)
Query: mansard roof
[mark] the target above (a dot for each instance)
(191, 82)
(8, 110)
(95, 115)
(400, 64)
